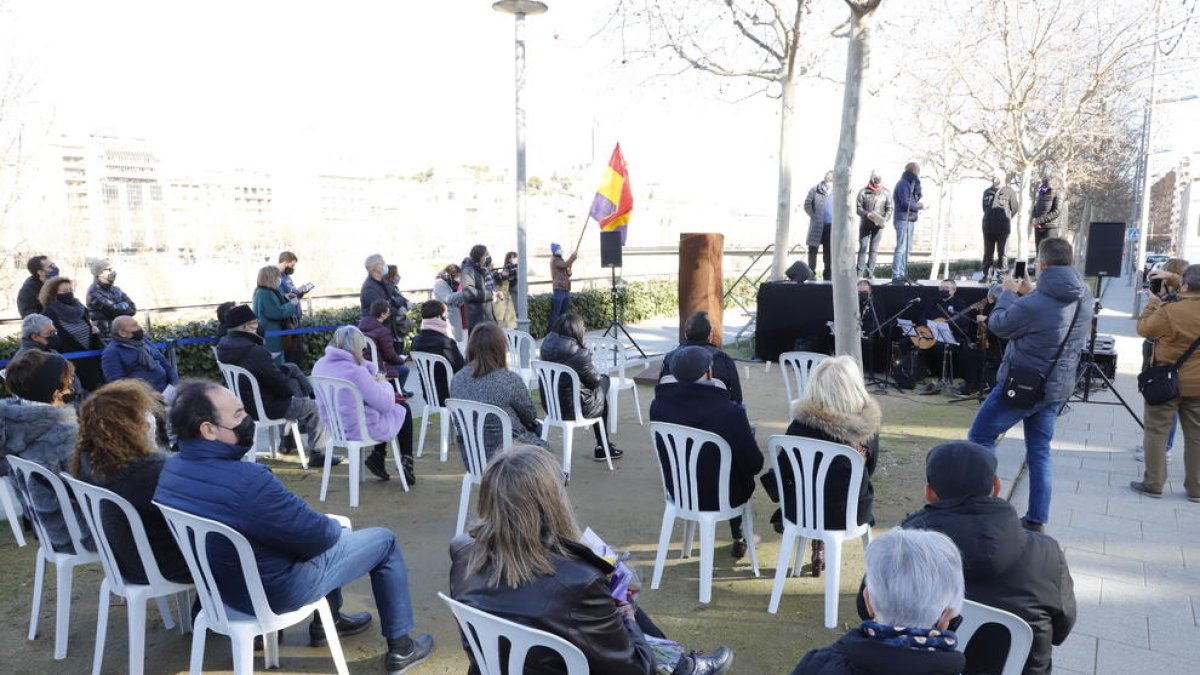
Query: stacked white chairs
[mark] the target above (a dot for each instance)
(25, 473)
(237, 377)
(550, 377)
(194, 536)
(92, 500)
(428, 366)
(684, 447)
(470, 418)
(485, 633)
(12, 508)
(1020, 636)
(329, 391)
(796, 367)
(520, 354)
(809, 461)
(608, 355)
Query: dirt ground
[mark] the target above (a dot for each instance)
(624, 506)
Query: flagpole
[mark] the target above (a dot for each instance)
(582, 231)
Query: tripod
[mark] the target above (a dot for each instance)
(878, 332)
(1089, 368)
(615, 324)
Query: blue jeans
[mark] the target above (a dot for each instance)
(996, 417)
(401, 375)
(904, 230)
(373, 550)
(560, 303)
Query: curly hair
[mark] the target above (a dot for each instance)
(113, 428)
(49, 293)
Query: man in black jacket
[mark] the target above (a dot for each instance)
(40, 269)
(435, 338)
(1004, 565)
(697, 331)
(477, 286)
(1000, 204)
(242, 346)
(1044, 218)
(105, 300)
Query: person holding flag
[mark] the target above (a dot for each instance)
(560, 275)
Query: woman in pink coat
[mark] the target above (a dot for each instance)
(345, 360)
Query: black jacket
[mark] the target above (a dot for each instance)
(707, 407)
(565, 350)
(1007, 567)
(573, 603)
(239, 348)
(1045, 207)
(27, 297)
(856, 654)
(434, 342)
(861, 429)
(1000, 204)
(723, 367)
(476, 293)
(106, 302)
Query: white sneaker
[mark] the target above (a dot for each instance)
(1139, 454)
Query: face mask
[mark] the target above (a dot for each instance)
(287, 271)
(244, 432)
(487, 261)
(53, 272)
(945, 294)
(67, 298)
(52, 340)
(863, 296)
(69, 397)
(152, 424)
(137, 334)
(110, 278)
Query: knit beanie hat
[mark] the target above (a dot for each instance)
(98, 265)
(239, 316)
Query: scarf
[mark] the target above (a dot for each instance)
(73, 318)
(875, 187)
(908, 637)
(145, 359)
(437, 325)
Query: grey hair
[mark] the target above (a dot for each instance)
(33, 325)
(372, 262)
(350, 339)
(913, 576)
(1191, 277)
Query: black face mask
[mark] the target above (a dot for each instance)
(487, 261)
(52, 341)
(945, 294)
(863, 296)
(244, 432)
(288, 271)
(137, 334)
(69, 397)
(67, 298)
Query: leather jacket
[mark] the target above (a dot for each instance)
(565, 350)
(573, 603)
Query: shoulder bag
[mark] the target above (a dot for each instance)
(1025, 386)
(1159, 384)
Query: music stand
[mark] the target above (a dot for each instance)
(943, 334)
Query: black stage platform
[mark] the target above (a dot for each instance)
(789, 311)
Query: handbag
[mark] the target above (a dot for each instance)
(1025, 386)
(1159, 384)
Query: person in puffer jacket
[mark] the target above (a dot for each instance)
(564, 344)
(105, 301)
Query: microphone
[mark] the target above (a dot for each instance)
(913, 301)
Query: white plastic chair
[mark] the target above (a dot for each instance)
(796, 367)
(329, 390)
(470, 418)
(24, 472)
(92, 499)
(12, 509)
(1020, 641)
(550, 375)
(684, 447)
(427, 367)
(485, 632)
(808, 494)
(234, 376)
(608, 355)
(520, 354)
(194, 535)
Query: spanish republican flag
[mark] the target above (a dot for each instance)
(614, 200)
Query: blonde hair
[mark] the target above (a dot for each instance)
(268, 277)
(836, 384)
(526, 517)
(350, 339)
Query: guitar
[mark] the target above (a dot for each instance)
(924, 338)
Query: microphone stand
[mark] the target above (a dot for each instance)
(878, 332)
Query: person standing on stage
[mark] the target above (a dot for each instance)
(874, 209)
(819, 207)
(1000, 204)
(907, 200)
(1038, 324)
(560, 275)
(1044, 218)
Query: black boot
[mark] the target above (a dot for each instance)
(818, 557)
(375, 463)
(401, 657)
(406, 463)
(346, 624)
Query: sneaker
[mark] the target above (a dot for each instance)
(716, 663)
(613, 452)
(317, 458)
(375, 465)
(1139, 486)
(346, 625)
(1194, 498)
(1031, 525)
(396, 663)
(1139, 454)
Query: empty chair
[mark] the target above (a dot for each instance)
(809, 461)
(329, 392)
(795, 367)
(609, 356)
(429, 368)
(485, 633)
(194, 535)
(237, 377)
(471, 420)
(12, 509)
(92, 499)
(682, 491)
(550, 377)
(25, 472)
(976, 615)
(520, 354)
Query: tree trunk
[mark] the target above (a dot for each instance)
(783, 208)
(1027, 202)
(847, 324)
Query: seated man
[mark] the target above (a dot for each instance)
(436, 337)
(243, 346)
(696, 400)
(697, 330)
(955, 312)
(1005, 565)
(301, 554)
(914, 588)
(130, 355)
(37, 334)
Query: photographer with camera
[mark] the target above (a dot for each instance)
(505, 279)
(1164, 282)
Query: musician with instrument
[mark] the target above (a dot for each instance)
(948, 308)
(980, 363)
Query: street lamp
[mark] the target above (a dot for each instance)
(520, 9)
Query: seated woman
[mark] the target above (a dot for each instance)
(914, 588)
(385, 417)
(523, 562)
(436, 337)
(835, 407)
(564, 344)
(118, 450)
(487, 379)
(38, 424)
(376, 327)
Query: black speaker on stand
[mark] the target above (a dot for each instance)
(1105, 245)
(610, 257)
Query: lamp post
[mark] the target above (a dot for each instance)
(520, 9)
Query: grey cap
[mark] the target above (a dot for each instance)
(691, 363)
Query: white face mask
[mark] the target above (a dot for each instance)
(152, 432)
